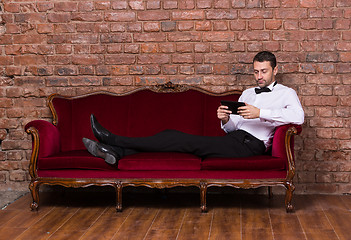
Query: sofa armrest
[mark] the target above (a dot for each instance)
(283, 145)
(279, 139)
(45, 141)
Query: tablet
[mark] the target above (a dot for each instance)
(232, 106)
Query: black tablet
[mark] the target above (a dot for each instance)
(232, 106)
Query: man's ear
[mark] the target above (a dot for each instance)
(275, 70)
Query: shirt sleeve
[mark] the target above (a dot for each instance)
(292, 112)
(232, 124)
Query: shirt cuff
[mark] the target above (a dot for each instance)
(265, 114)
(228, 127)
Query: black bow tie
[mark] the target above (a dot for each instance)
(260, 90)
(264, 89)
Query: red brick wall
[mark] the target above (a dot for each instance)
(77, 46)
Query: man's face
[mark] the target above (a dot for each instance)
(264, 73)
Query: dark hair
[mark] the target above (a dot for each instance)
(266, 56)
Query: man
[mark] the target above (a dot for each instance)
(248, 133)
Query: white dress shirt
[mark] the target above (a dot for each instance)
(278, 107)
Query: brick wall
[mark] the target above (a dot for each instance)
(72, 47)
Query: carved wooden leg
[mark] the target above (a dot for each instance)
(290, 188)
(203, 191)
(34, 189)
(119, 188)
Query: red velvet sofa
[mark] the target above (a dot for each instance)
(59, 157)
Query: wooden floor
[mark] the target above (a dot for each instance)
(176, 215)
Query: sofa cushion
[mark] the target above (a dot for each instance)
(160, 161)
(78, 159)
(263, 162)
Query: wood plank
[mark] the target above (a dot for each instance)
(284, 223)
(339, 218)
(343, 233)
(255, 218)
(67, 235)
(347, 200)
(312, 220)
(107, 224)
(83, 219)
(27, 218)
(7, 233)
(256, 223)
(321, 234)
(22, 203)
(164, 234)
(341, 221)
(7, 215)
(54, 219)
(166, 224)
(169, 218)
(49, 224)
(291, 236)
(196, 225)
(260, 233)
(47, 200)
(306, 203)
(137, 224)
(226, 224)
(34, 234)
(331, 202)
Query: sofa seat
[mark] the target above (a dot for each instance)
(160, 161)
(263, 162)
(82, 159)
(76, 159)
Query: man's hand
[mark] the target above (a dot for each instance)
(249, 112)
(223, 114)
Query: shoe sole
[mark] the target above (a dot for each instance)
(93, 149)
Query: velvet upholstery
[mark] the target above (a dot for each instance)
(160, 161)
(263, 162)
(278, 144)
(50, 133)
(137, 115)
(77, 159)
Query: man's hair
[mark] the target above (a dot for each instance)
(266, 56)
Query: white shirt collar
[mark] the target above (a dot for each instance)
(271, 86)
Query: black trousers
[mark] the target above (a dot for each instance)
(235, 144)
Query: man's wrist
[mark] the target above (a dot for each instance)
(224, 121)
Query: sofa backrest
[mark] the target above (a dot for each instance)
(141, 113)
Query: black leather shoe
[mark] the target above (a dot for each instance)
(101, 150)
(101, 134)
